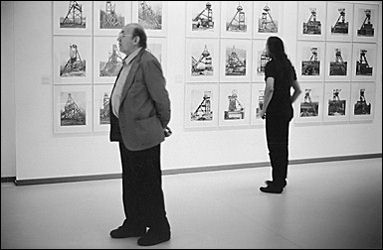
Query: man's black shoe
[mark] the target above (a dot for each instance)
(125, 232)
(272, 189)
(153, 237)
(269, 182)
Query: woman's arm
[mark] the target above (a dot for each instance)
(297, 91)
(269, 90)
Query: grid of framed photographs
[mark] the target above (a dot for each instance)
(336, 61)
(225, 42)
(87, 59)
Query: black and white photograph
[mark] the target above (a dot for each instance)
(72, 17)
(191, 124)
(311, 20)
(111, 16)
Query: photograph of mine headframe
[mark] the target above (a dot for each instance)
(308, 107)
(234, 64)
(204, 20)
(312, 66)
(74, 17)
(235, 110)
(72, 114)
(362, 66)
(338, 67)
(75, 66)
(203, 112)
(336, 106)
(238, 22)
(266, 23)
(149, 16)
(361, 107)
(366, 29)
(202, 65)
(340, 26)
(104, 110)
(312, 26)
(109, 19)
(114, 63)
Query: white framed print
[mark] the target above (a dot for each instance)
(234, 104)
(260, 59)
(158, 47)
(202, 60)
(72, 108)
(72, 18)
(107, 59)
(338, 61)
(310, 61)
(111, 16)
(152, 15)
(366, 22)
(268, 16)
(257, 102)
(72, 62)
(337, 102)
(101, 108)
(311, 20)
(201, 105)
(236, 60)
(308, 108)
(340, 20)
(203, 19)
(364, 57)
(362, 101)
(237, 19)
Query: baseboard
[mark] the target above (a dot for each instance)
(186, 170)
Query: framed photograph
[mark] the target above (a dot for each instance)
(308, 107)
(72, 62)
(201, 105)
(338, 61)
(237, 21)
(362, 101)
(336, 102)
(203, 19)
(364, 62)
(202, 60)
(157, 46)
(72, 109)
(257, 101)
(311, 20)
(236, 60)
(101, 108)
(260, 58)
(234, 104)
(366, 22)
(340, 19)
(111, 16)
(107, 59)
(72, 18)
(152, 15)
(268, 16)
(310, 61)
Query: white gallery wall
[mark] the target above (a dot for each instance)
(31, 149)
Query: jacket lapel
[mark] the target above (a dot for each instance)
(132, 73)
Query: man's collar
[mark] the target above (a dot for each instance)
(128, 59)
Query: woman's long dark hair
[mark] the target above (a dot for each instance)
(277, 53)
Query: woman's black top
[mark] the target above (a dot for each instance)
(280, 103)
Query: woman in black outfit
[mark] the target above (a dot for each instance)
(280, 77)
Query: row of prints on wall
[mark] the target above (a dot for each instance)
(212, 60)
(317, 20)
(224, 105)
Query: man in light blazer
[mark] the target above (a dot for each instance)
(139, 114)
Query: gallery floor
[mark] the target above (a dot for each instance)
(325, 205)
